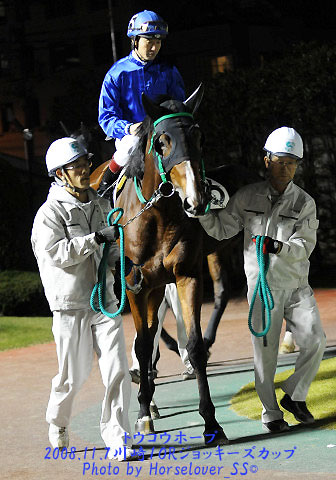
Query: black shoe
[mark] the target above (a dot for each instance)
(298, 409)
(277, 426)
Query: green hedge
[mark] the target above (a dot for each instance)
(21, 294)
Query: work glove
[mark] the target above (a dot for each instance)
(107, 234)
(270, 245)
(128, 266)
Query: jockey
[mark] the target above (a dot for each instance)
(120, 106)
(285, 215)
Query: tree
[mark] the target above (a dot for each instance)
(16, 221)
(243, 106)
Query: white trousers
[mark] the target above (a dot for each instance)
(77, 334)
(170, 300)
(125, 147)
(299, 309)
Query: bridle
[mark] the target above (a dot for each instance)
(177, 155)
(164, 164)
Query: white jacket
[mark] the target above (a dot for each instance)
(68, 256)
(292, 220)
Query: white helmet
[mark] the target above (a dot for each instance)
(285, 141)
(63, 151)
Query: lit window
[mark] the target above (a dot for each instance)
(221, 64)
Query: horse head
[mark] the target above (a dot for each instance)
(176, 147)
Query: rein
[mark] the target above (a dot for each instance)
(159, 193)
(263, 289)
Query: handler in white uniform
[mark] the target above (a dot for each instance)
(67, 239)
(286, 215)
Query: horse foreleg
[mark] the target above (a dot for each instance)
(190, 293)
(221, 297)
(143, 350)
(153, 304)
(144, 308)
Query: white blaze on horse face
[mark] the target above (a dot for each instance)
(192, 194)
(184, 179)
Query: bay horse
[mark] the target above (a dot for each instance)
(170, 245)
(222, 257)
(167, 241)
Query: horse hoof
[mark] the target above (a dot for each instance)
(144, 426)
(154, 411)
(216, 437)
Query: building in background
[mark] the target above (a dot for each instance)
(48, 47)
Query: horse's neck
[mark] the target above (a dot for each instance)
(151, 179)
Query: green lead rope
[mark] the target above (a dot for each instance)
(98, 295)
(138, 190)
(263, 289)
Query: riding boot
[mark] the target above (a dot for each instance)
(108, 179)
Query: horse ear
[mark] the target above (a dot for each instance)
(152, 110)
(192, 103)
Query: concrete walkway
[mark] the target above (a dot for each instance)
(177, 450)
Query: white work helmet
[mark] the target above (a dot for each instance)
(63, 151)
(284, 141)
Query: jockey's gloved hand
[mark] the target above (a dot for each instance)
(128, 266)
(270, 245)
(107, 234)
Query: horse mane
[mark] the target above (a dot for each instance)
(136, 166)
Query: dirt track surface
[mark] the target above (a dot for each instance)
(25, 383)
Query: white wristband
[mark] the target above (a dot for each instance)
(127, 128)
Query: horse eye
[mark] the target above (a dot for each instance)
(161, 144)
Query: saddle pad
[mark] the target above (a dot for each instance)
(120, 183)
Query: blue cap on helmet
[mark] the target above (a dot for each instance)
(147, 23)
